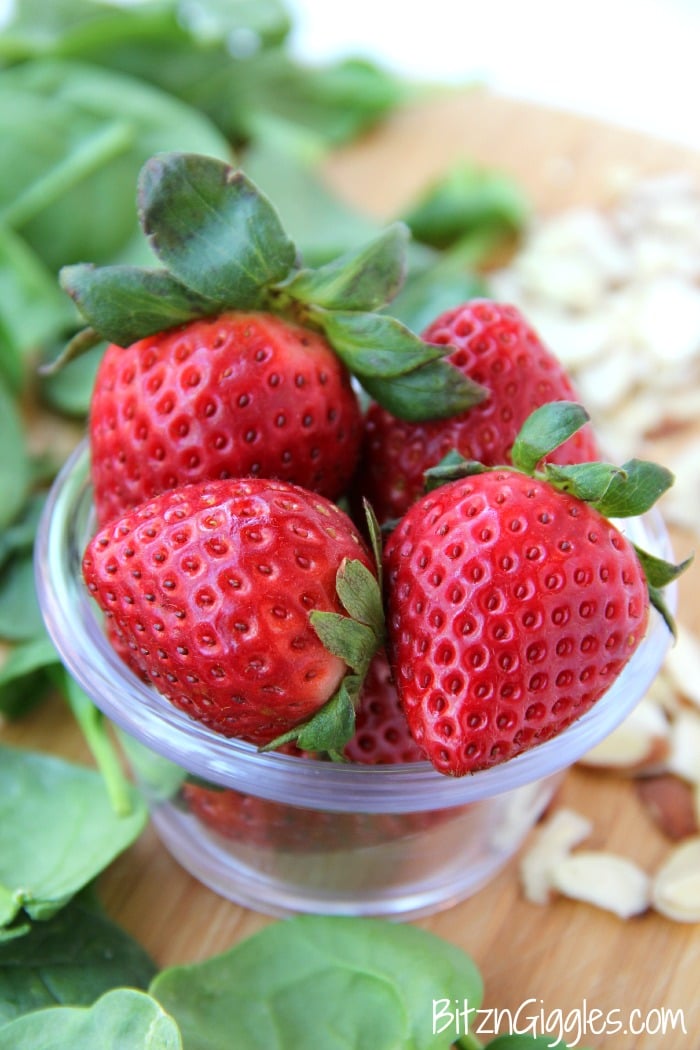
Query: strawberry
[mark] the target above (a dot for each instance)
(232, 359)
(495, 347)
(277, 827)
(513, 602)
(237, 395)
(382, 736)
(220, 592)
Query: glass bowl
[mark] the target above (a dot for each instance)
(280, 833)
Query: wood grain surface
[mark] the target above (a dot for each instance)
(564, 955)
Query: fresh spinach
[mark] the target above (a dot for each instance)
(319, 981)
(58, 830)
(121, 1018)
(25, 675)
(69, 960)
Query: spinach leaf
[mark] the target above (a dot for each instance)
(320, 224)
(74, 139)
(32, 308)
(121, 1018)
(57, 831)
(68, 391)
(20, 616)
(15, 476)
(25, 675)
(314, 981)
(69, 960)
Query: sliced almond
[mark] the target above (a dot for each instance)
(640, 743)
(557, 836)
(671, 804)
(605, 880)
(683, 662)
(684, 757)
(676, 885)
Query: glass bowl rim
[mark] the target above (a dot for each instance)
(148, 717)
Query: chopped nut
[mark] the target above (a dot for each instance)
(604, 879)
(676, 885)
(684, 758)
(670, 803)
(683, 659)
(563, 830)
(639, 744)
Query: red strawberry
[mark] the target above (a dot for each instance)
(231, 396)
(513, 605)
(495, 347)
(265, 824)
(212, 586)
(382, 736)
(233, 359)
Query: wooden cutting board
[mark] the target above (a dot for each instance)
(565, 955)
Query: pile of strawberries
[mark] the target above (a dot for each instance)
(320, 531)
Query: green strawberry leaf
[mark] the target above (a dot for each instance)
(634, 489)
(364, 279)
(353, 642)
(127, 303)
(330, 728)
(436, 390)
(659, 573)
(334, 724)
(545, 429)
(360, 595)
(213, 229)
(375, 538)
(375, 345)
(587, 481)
(451, 467)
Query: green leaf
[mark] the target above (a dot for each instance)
(435, 283)
(635, 489)
(121, 1018)
(334, 724)
(359, 591)
(15, 475)
(74, 832)
(68, 390)
(20, 615)
(452, 467)
(321, 224)
(69, 960)
(213, 229)
(336, 982)
(436, 390)
(353, 642)
(127, 303)
(466, 200)
(32, 309)
(375, 345)
(359, 280)
(18, 538)
(79, 179)
(587, 481)
(24, 675)
(545, 429)
(659, 574)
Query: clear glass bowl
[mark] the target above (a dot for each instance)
(284, 834)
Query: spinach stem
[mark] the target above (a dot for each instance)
(89, 156)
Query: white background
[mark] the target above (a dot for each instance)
(632, 62)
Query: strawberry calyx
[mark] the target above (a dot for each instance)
(222, 247)
(625, 491)
(355, 638)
